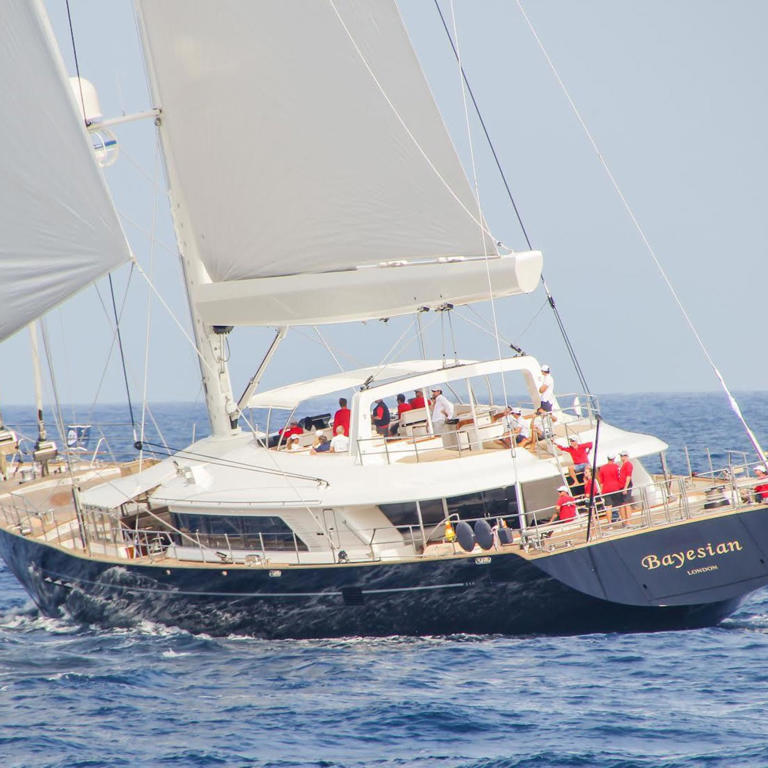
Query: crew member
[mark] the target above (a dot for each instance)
(608, 477)
(341, 417)
(579, 453)
(565, 506)
(547, 388)
(625, 479)
(381, 417)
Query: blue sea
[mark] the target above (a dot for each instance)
(74, 695)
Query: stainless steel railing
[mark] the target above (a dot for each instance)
(655, 504)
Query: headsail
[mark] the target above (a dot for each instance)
(59, 228)
(300, 138)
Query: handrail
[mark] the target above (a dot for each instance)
(393, 448)
(655, 503)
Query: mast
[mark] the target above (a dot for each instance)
(45, 449)
(209, 340)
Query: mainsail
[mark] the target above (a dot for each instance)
(59, 228)
(301, 138)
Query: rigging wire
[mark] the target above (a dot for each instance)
(412, 339)
(641, 232)
(77, 64)
(122, 354)
(155, 212)
(453, 336)
(533, 319)
(463, 84)
(112, 344)
(220, 462)
(57, 412)
(356, 361)
(328, 347)
(558, 318)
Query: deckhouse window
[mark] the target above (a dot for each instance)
(238, 532)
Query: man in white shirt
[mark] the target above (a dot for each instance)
(519, 428)
(441, 410)
(340, 442)
(547, 388)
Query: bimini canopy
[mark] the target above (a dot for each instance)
(59, 228)
(292, 395)
(304, 149)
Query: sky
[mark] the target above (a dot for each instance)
(674, 93)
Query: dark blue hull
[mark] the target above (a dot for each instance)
(635, 583)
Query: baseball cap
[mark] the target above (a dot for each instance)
(545, 368)
(564, 488)
(623, 453)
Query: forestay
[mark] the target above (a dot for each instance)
(301, 141)
(59, 228)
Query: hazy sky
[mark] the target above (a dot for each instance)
(674, 92)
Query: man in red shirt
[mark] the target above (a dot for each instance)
(291, 428)
(761, 491)
(565, 506)
(591, 490)
(381, 417)
(608, 477)
(625, 479)
(579, 453)
(418, 400)
(402, 407)
(341, 417)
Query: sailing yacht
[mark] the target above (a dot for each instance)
(350, 204)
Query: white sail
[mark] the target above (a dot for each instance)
(59, 228)
(299, 140)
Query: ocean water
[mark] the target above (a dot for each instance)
(75, 695)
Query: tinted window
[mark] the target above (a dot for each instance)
(233, 532)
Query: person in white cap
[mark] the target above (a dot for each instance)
(547, 388)
(519, 428)
(579, 453)
(761, 491)
(565, 506)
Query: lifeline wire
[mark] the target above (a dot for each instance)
(732, 401)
